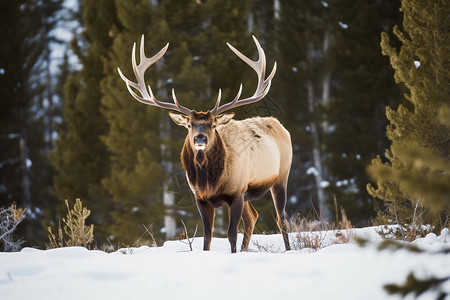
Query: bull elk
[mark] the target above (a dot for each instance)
(228, 161)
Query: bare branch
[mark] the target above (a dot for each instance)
(190, 241)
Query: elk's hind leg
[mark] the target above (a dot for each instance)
(250, 215)
(279, 195)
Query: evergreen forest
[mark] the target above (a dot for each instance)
(362, 86)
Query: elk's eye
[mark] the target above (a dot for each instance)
(214, 126)
(189, 126)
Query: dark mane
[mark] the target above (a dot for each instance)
(187, 160)
(205, 169)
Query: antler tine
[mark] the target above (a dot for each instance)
(237, 95)
(181, 109)
(260, 65)
(214, 111)
(139, 71)
(263, 87)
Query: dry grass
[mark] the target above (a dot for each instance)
(315, 234)
(312, 233)
(344, 234)
(310, 240)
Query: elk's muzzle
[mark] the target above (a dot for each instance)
(200, 142)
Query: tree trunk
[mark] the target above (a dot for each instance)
(317, 158)
(325, 81)
(26, 181)
(26, 195)
(170, 223)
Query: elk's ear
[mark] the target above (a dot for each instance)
(224, 118)
(179, 119)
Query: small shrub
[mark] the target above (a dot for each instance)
(75, 231)
(408, 229)
(9, 220)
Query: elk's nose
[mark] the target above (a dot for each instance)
(200, 139)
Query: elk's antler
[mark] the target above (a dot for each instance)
(139, 71)
(263, 84)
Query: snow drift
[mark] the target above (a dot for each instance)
(345, 271)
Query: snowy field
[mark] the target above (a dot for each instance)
(343, 271)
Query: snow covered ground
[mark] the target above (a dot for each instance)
(345, 271)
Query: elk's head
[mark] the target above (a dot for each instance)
(201, 125)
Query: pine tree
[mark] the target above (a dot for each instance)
(416, 177)
(135, 179)
(25, 29)
(362, 87)
(80, 158)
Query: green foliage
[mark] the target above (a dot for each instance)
(418, 286)
(80, 158)
(25, 108)
(417, 175)
(427, 178)
(135, 177)
(390, 244)
(444, 115)
(75, 232)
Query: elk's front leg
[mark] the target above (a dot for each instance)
(207, 213)
(235, 210)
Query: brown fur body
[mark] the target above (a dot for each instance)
(247, 159)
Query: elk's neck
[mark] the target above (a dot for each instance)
(204, 168)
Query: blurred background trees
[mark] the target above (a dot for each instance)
(334, 86)
(27, 108)
(80, 157)
(122, 157)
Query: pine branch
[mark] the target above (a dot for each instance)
(417, 286)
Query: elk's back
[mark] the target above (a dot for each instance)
(259, 151)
